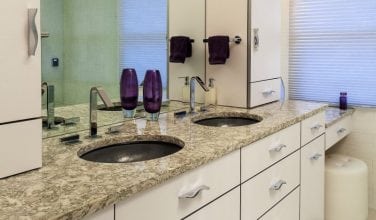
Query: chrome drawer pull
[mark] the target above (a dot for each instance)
(342, 130)
(316, 156)
(193, 193)
(268, 92)
(278, 185)
(32, 31)
(277, 148)
(256, 39)
(316, 127)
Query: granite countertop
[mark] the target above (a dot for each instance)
(68, 187)
(334, 114)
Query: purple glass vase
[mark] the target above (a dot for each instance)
(153, 93)
(129, 92)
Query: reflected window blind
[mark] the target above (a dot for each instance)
(143, 31)
(333, 49)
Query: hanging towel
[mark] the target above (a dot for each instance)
(180, 49)
(219, 49)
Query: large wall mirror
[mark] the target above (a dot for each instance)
(87, 43)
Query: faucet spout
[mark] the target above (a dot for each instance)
(50, 93)
(193, 89)
(94, 93)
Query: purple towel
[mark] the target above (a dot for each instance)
(219, 49)
(180, 48)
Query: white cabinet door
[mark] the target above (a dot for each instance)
(312, 180)
(225, 208)
(20, 92)
(265, 27)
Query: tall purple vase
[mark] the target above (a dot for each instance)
(153, 93)
(129, 92)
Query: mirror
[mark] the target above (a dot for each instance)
(87, 43)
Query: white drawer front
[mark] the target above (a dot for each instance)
(287, 209)
(163, 202)
(313, 127)
(258, 194)
(338, 131)
(225, 208)
(20, 147)
(265, 91)
(262, 154)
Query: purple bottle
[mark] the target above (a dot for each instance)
(129, 92)
(343, 101)
(153, 93)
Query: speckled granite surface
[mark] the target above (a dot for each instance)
(68, 187)
(333, 114)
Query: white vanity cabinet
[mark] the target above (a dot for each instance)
(275, 178)
(312, 180)
(20, 87)
(184, 194)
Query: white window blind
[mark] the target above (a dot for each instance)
(333, 49)
(143, 31)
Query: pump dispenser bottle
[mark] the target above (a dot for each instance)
(211, 96)
(185, 89)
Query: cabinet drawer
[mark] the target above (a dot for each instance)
(20, 147)
(287, 209)
(262, 154)
(225, 208)
(312, 180)
(265, 91)
(313, 127)
(258, 194)
(163, 202)
(338, 131)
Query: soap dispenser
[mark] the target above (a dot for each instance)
(211, 96)
(185, 89)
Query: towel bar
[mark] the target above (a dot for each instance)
(236, 39)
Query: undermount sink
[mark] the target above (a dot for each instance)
(227, 119)
(135, 149)
(57, 121)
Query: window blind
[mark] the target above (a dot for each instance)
(333, 49)
(143, 31)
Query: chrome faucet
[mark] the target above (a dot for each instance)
(192, 91)
(50, 93)
(94, 92)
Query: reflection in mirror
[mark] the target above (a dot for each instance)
(187, 18)
(87, 43)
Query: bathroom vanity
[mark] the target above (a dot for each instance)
(254, 171)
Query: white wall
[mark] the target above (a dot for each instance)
(361, 143)
(285, 43)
